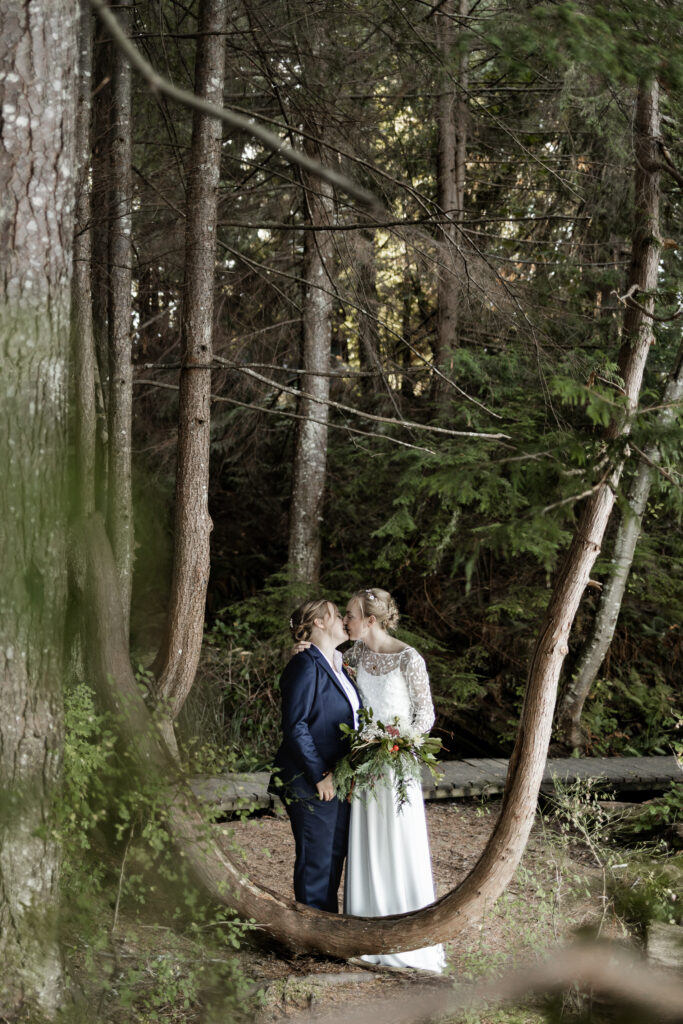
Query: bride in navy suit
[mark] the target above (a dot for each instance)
(317, 695)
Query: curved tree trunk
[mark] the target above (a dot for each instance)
(302, 928)
(310, 458)
(593, 654)
(120, 495)
(637, 338)
(191, 563)
(38, 55)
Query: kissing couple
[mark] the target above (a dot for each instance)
(388, 868)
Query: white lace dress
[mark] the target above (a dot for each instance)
(388, 868)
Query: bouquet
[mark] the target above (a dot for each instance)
(376, 747)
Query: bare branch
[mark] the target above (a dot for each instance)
(293, 416)
(668, 165)
(627, 300)
(655, 465)
(411, 424)
(158, 84)
(573, 498)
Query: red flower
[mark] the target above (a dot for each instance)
(395, 748)
(392, 730)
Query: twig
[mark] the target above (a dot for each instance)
(294, 416)
(575, 497)
(655, 465)
(411, 424)
(668, 165)
(628, 300)
(121, 874)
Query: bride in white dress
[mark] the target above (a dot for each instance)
(388, 867)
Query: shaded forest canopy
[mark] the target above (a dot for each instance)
(535, 248)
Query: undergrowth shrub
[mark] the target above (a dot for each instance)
(123, 879)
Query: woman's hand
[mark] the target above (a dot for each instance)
(325, 788)
(302, 645)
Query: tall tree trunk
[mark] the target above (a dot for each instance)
(597, 645)
(638, 336)
(120, 411)
(368, 302)
(191, 563)
(402, 348)
(101, 175)
(83, 345)
(38, 54)
(451, 168)
(310, 458)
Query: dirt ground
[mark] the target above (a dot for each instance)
(544, 903)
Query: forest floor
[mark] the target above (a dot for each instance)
(549, 898)
(155, 968)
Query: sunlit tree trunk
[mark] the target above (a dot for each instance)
(452, 117)
(638, 336)
(120, 409)
(38, 55)
(310, 458)
(191, 564)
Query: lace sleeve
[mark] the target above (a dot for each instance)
(352, 654)
(415, 672)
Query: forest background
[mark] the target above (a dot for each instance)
(387, 320)
(501, 264)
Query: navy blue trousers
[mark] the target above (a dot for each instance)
(321, 835)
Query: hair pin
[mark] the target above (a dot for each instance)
(370, 594)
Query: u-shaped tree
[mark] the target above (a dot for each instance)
(211, 864)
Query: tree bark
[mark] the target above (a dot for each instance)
(83, 343)
(191, 563)
(101, 174)
(38, 54)
(451, 168)
(637, 338)
(310, 458)
(368, 303)
(120, 410)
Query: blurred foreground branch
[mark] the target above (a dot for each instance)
(648, 994)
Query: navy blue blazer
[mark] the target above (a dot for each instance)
(313, 705)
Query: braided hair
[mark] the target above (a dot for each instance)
(380, 603)
(303, 618)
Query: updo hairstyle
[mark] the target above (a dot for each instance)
(379, 603)
(303, 618)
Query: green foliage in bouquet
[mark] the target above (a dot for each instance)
(383, 754)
